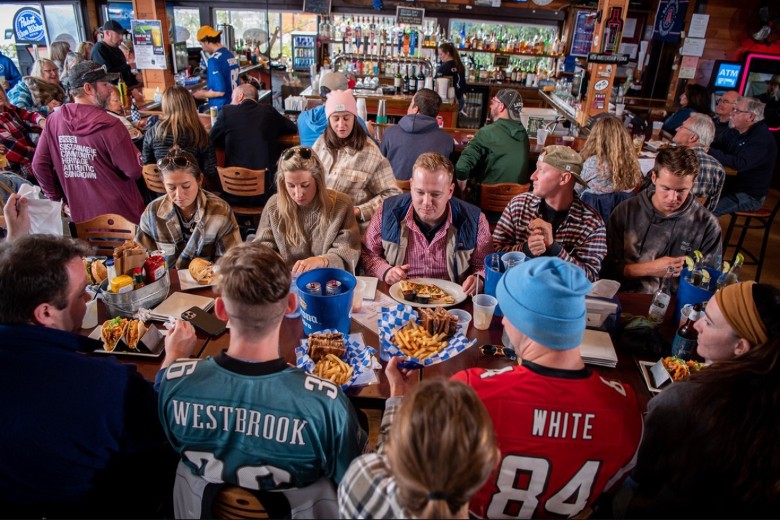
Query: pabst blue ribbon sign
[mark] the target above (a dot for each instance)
(28, 26)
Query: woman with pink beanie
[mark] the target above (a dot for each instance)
(353, 163)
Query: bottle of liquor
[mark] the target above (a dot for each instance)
(405, 82)
(397, 81)
(462, 42)
(420, 80)
(661, 299)
(348, 37)
(413, 83)
(613, 30)
(684, 342)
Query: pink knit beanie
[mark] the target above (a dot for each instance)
(340, 101)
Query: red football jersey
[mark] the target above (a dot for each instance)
(565, 436)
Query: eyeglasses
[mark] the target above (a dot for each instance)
(725, 101)
(498, 350)
(174, 161)
(304, 151)
(735, 109)
(691, 131)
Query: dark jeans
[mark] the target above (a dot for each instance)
(731, 202)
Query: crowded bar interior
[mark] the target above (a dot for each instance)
(390, 259)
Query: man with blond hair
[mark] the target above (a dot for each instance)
(245, 417)
(426, 233)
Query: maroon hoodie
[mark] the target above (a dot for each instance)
(86, 158)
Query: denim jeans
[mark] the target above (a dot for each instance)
(731, 202)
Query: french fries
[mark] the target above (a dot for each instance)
(333, 368)
(417, 342)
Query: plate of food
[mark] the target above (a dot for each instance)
(200, 274)
(667, 370)
(427, 292)
(131, 338)
(422, 337)
(330, 355)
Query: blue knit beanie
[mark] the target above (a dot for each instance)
(545, 299)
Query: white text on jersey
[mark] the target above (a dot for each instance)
(556, 424)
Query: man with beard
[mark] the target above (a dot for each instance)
(85, 157)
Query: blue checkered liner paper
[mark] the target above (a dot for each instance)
(393, 318)
(358, 356)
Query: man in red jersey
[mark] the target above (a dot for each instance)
(566, 433)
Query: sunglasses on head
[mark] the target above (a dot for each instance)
(498, 350)
(173, 161)
(304, 151)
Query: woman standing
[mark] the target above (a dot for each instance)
(710, 446)
(452, 67)
(187, 222)
(179, 124)
(309, 225)
(352, 162)
(40, 91)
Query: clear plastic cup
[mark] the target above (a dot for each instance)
(512, 259)
(484, 307)
(464, 319)
(357, 295)
(293, 288)
(90, 319)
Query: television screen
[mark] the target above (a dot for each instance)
(727, 75)
(180, 57)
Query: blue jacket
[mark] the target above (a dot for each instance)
(414, 134)
(78, 427)
(462, 236)
(9, 71)
(311, 124)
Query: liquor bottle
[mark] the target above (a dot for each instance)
(462, 43)
(661, 299)
(685, 340)
(420, 80)
(413, 83)
(405, 82)
(405, 42)
(413, 43)
(397, 81)
(613, 29)
(348, 37)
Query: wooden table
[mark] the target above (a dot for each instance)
(374, 396)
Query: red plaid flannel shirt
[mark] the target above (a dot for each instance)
(15, 123)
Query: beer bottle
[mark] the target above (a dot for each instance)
(397, 81)
(405, 81)
(730, 275)
(413, 82)
(661, 299)
(685, 340)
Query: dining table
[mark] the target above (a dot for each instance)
(373, 396)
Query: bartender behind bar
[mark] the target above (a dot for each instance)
(222, 69)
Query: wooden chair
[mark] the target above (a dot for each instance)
(493, 198)
(234, 502)
(153, 179)
(105, 232)
(405, 186)
(243, 182)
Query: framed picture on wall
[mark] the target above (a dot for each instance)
(534, 124)
(582, 35)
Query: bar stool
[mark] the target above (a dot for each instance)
(763, 218)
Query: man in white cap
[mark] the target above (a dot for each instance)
(566, 433)
(222, 69)
(552, 220)
(312, 123)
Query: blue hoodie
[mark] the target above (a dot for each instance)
(413, 135)
(312, 123)
(9, 71)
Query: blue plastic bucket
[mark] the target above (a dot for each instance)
(492, 277)
(690, 294)
(321, 311)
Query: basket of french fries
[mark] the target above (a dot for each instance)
(331, 355)
(422, 338)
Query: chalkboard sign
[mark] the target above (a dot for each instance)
(316, 6)
(409, 15)
(583, 33)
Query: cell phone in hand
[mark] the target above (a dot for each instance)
(204, 321)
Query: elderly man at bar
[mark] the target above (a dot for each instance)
(427, 233)
(697, 133)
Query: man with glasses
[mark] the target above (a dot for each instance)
(312, 123)
(723, 108)
(566, 433)
(660, 226)
(85, 157)
(499, 151)
(749, 148)
(697, 133)
(80, 429)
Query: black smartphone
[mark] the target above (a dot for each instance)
(204, 321)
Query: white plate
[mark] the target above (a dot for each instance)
(644, 367)
(188, 283)
(452, 288)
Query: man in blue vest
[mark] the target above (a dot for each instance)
(427, 233)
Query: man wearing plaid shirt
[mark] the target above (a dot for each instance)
(697, 133)
(426, 233)
(15, 123)
(553, 221)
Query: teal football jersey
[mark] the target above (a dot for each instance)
(282, 429)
